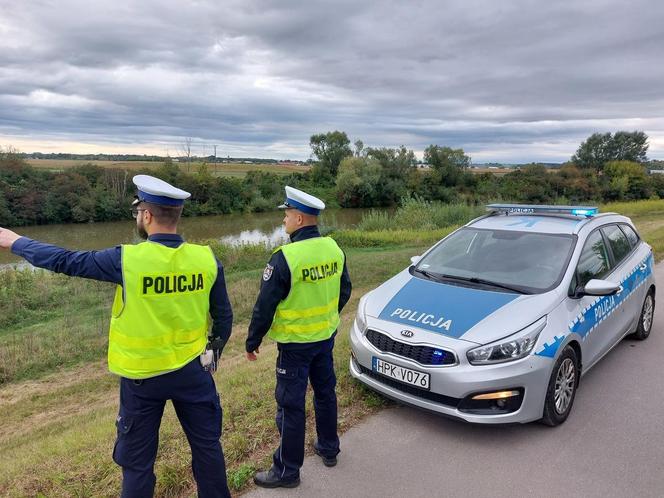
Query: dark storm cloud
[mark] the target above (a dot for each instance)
(522, 80)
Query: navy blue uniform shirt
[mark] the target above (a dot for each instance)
(276, 289)
(106, 265)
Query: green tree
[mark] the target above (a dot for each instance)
(169, 172)
(600, 148)
(627, 181)
(449, 164)
(446, 157)
(359, 183)
(330, 149)
(359, 148)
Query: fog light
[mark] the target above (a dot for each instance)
(494, 403)
(501, 395)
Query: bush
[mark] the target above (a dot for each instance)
(418, 214)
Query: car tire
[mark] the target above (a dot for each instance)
(561, 390)
(645, 318)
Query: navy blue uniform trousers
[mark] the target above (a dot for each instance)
(196, 402)
(296, 365)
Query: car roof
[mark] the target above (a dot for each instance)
(543, 223)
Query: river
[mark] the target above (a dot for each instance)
(229, 228)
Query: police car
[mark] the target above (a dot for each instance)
(497, 322)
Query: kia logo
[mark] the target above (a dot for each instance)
(407, 333)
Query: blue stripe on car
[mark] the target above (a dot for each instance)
(602, 307)
(445, 309)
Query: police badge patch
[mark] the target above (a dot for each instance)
(267, 273)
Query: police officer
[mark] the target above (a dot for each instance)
(305, 285)
(167, 290)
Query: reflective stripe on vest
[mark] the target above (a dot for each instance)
(160, 317)
(310, 313)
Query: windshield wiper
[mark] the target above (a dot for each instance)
(476, 280)
(429, 275)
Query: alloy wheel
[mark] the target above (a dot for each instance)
(648, 309)
(565, 385)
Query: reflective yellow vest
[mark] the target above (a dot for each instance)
(160, 317)
(310, 312)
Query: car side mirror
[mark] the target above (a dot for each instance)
(596, 287)
(415, 259)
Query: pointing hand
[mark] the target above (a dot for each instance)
(7, 238)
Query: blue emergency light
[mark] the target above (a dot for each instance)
(587, 211)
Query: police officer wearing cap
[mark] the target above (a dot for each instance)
(167, 291)
(305, 285)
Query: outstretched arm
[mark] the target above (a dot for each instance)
(104, 265)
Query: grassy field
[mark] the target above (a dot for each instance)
(217, 169)
(58, 403)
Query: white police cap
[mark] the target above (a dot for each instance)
(307, 203)
(156, 191)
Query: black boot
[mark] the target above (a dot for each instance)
(327, 461)
(268, 479)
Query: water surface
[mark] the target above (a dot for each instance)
(229, 228)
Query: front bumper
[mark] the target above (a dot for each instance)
(449, 385)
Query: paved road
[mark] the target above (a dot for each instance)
(612, 445)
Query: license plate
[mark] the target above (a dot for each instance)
(402, 374)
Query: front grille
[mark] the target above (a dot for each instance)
(425, 355)
(414, 391)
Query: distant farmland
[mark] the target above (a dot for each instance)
(217, 169)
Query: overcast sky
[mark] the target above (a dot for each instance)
(506, 80)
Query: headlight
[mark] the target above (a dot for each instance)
(510, 348)
(361, 317)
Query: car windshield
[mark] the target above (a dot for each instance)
(523, 262)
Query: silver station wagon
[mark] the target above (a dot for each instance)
(497, 322)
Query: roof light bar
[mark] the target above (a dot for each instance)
(587, 211)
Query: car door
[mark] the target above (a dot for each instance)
(592, 316)
(623, 262)
(640, 260)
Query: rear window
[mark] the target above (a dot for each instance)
(630, 234)
(620, 246)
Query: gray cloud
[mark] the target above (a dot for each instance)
(511, 80)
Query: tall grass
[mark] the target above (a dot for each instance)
(419, 214)
(635, 209)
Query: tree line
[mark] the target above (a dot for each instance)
(87, 193)
(605, 167)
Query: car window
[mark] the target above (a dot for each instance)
(620, 246)
(594, 260)
(630, 234)
(534, 262)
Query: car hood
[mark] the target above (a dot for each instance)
(459, 312)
